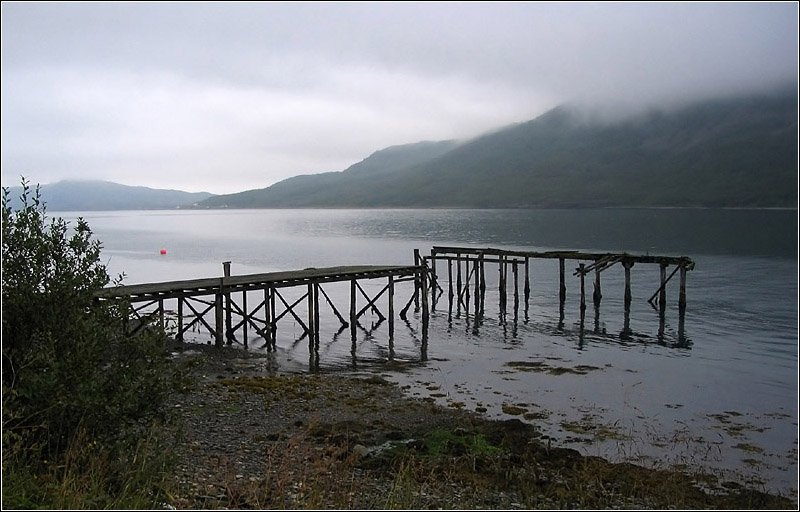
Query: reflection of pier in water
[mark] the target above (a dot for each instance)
(198, 299)
(469, 275)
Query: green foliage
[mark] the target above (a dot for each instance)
(70, 375)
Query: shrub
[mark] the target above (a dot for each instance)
(69, 372)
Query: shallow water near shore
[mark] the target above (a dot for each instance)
(718, 392)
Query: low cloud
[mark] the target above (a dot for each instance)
(224, 97)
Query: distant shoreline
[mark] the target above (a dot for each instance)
(551, 208)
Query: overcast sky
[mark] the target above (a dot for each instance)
(224, 97)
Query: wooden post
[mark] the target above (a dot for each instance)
(662, 296)
(179, 337)
(434, 278)
(425, 311)
(353, 319)
(562, 287)
(391, 308)
(627, 266)
(597, 295)
(417, 282)
(267, 322)
(450, 286)
(582, 272)
(466, 284)
(219, 316)
(476, 272)
(226, 267)
(516, 288)
(310, 300)
(244, 325)
(273, 322)
(316, 314)
(502, 286)
(161, 314)
(682, 294)
(527, 290)
(458, 283)
(483, 282)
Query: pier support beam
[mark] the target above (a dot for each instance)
(218, 317)
(627, 265)
(597, 295)
(562, 287)
(662, 294)
(682, 293)
(582, 272)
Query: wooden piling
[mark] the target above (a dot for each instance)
(161, 314)
(353, 319)
(627, 266)
(226, 267)
(316, 316)
(481, 264)
(425, 311)
(267, 332)
(502, 285)
(458, 283)
(662, 296)
(562, 287)
(417, 281)
(434, 277)
(219, 316)
(391, 307)
(527, 289)
(682, 293)
(179, 337)
(450, 286)
(273, 327)
(476, 273)
(516, 288)
(244, 324)
(597, 295)
(582, 272)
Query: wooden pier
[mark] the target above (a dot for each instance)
(198, 299)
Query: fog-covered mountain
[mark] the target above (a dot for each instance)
(74, 195)
(735, 152)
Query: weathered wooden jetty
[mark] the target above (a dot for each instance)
(216, 297)
(474, 260)
(197, 298)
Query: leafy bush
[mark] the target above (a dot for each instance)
(70, 375)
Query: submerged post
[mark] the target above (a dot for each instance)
(582, 272)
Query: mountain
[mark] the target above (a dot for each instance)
(735, 152)
(333, 189)
(89, 195)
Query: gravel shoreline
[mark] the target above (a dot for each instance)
(246, 438)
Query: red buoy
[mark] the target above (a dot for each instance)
(163, 251)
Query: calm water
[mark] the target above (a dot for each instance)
(720, 394)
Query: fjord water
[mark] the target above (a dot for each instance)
(716, 391)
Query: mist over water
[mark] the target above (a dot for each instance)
(718, 391)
